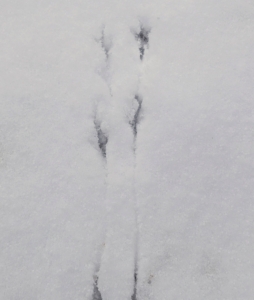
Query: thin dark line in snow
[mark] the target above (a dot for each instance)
(143, 39)
(136, 113)
(134, 295)
(105, 42)
(136, 118)
(102, 143)
(96, 292)
(102, 137)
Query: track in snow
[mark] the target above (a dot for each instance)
(142, 37)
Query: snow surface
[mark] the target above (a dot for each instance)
(121, 177)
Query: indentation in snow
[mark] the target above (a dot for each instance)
(106, 42)
(134, 296)
(102, 137)
(96, 292)
(135, 113)
(143, 39)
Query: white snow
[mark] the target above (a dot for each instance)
(173, 203)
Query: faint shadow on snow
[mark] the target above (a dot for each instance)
(96, 292)
(134, 121)
(102, 137)
(143, 39)
(134, 295)
(136, 113)
(106, 43)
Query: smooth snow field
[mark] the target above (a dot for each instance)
(126, 150)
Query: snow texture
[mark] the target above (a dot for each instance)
(126, 150)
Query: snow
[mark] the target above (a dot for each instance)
(88, 199)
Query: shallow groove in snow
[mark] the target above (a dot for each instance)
(106, 43)
(143, 39)
(134, 296)
(96, 292)
(102, 137)
(137, 110)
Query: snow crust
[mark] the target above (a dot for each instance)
(126, 163)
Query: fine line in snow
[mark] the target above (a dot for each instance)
(143, 39)
(136, 118)
(96, 292)
(102, 137)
